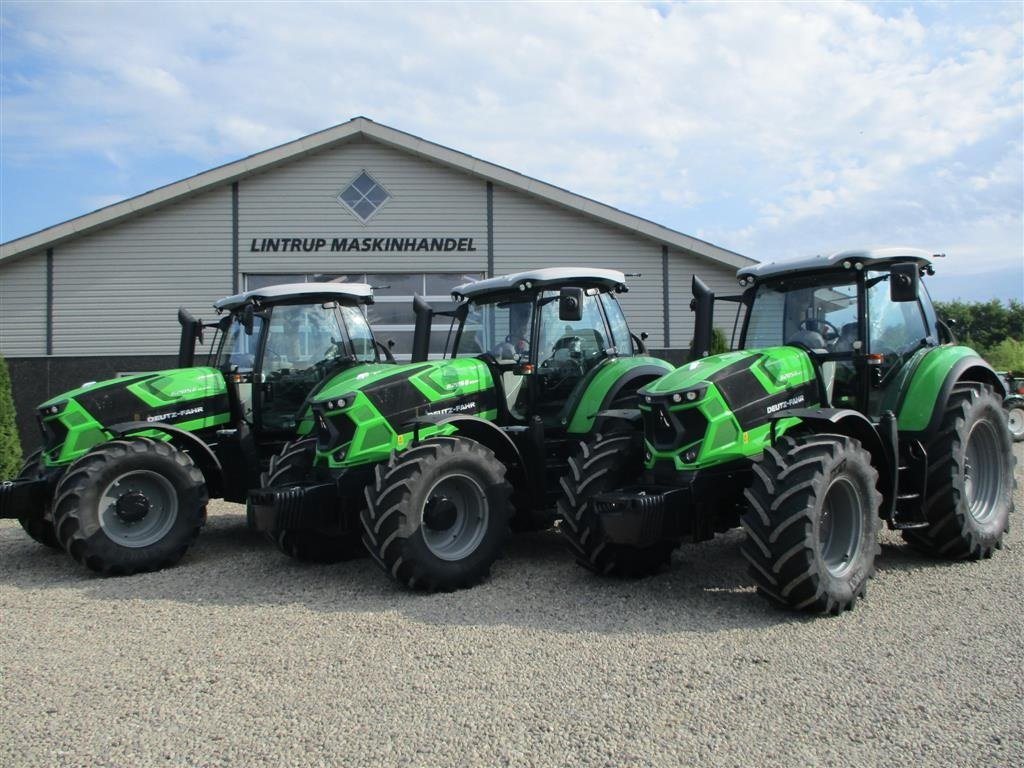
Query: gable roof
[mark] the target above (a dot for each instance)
(365, 128)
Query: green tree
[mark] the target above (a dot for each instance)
(10, 446)
(984, 324)
(1007, 355)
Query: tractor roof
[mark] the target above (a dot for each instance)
(551, 277)
(874, 257)
(346, 293)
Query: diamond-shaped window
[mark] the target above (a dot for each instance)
(364, 196)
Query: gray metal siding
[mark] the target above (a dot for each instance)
(116, 292)
(23, 307)
(530, 233)
(720, 279)
(299, 200)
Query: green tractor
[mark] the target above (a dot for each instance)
(847, 403)
(127, 465)
(426, 462)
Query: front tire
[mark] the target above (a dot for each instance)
(600, 464)
(970, 479)
(437, 514)
(39, 525)
(812, 525)
(293, 464)
(130, 506)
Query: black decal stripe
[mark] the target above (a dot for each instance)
(113, 404)
(757, 412)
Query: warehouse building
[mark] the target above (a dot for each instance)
(97, 296)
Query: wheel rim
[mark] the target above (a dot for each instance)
(982, 475)
(1015, 419)
(841, 526)
(138, 508)
(454, 517)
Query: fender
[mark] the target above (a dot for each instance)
(608, 382)
(485, 433)
(843, 421)
(923, 404)
(200, 452)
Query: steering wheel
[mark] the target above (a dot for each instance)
(512, 348)
(828, 331)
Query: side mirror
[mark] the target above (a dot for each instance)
(570, 304)
(247, 319)
(904, 282)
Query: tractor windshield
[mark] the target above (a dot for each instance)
(503, 329)
(814, 313)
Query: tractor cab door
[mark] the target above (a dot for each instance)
(566, 351)
(302, 347)
(236, 360)
(897, 330)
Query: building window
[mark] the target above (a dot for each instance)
(391, 315)
(364, 196)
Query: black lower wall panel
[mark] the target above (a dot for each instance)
(36, 379)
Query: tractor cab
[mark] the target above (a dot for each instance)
(862, 316)
(277, 346)
(544, 334)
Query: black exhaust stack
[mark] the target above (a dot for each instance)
(421, 332)
(703, 305)
(191, 330)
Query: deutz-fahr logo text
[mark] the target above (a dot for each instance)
(785, 404)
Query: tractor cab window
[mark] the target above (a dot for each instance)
(236, 359)
(501, 329)
(566, 350)
(819, 317)
(621, 339)
(306, 344)
(237, 353)
(896, 330)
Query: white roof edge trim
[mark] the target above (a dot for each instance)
(610, 279)
(268, 158)
(359, 293)
(832, 260)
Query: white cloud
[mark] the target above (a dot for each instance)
(765, 126)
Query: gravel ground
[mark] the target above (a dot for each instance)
(239, 656)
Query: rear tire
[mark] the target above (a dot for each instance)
(39, 525)
(600, 464)
(130, 506)
(970, 479)
(293, 464)
(812, 525)
(437, 514)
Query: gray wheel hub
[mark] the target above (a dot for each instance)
(983, 481)
(1015, 420)
(138, 508)
(455, 517)
(840, 527)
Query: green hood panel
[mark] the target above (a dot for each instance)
(371, 413)
(192, 399)
(720, 408)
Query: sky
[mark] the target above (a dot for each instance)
(773, 130)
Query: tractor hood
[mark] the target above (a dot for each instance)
(717, 409)
(188, 398)
(747, 373)
(362, 415)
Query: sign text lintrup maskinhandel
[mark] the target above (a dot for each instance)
(363, 244)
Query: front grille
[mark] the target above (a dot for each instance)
(333, 431)
(55, 432)
(671, 430)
